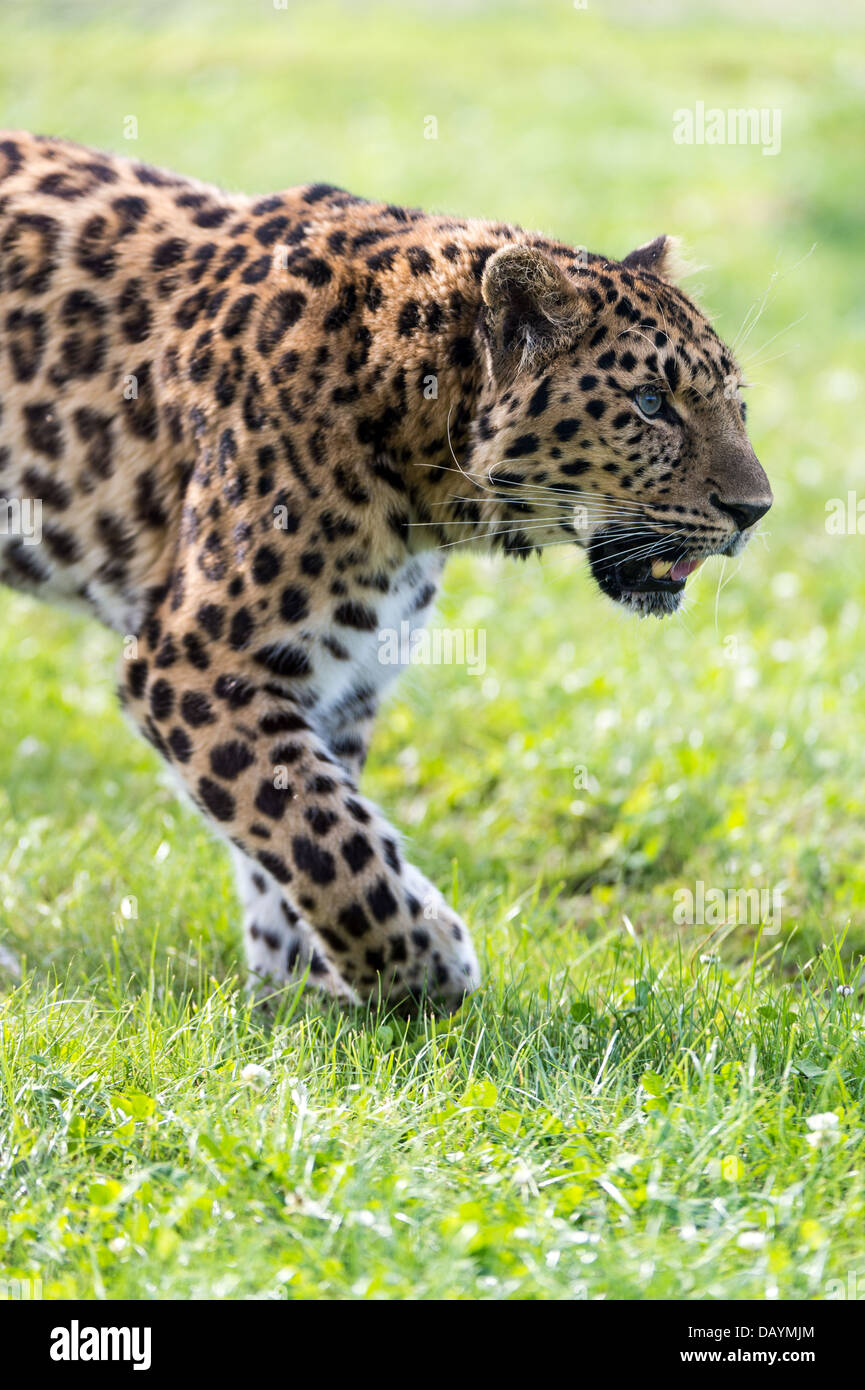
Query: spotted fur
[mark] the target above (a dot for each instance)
(257, 426)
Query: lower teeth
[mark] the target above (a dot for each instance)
(661, 568)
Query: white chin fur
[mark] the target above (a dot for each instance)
(656, 605)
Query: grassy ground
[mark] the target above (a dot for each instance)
(623, 1109)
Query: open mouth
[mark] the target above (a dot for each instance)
(646, 573)
(659, 577)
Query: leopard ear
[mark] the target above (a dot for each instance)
(534, 309)
(662, 257)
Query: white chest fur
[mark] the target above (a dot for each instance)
(371, 660)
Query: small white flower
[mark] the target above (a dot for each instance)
(819, 1124)
(824, 1130)
(844, 990)
(751, 1240)
(253, 1072)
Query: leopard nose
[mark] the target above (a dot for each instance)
(744, 514)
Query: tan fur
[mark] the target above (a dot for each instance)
(255, 426)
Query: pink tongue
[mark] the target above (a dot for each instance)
(682, 568)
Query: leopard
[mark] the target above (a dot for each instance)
(247, 431)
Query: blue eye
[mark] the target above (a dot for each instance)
(649, 400)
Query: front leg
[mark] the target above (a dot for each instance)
(281, 946)
(349, 740)
(269, 784)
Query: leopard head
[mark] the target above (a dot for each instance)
(614, 419)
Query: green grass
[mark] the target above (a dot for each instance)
(622, 1110)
